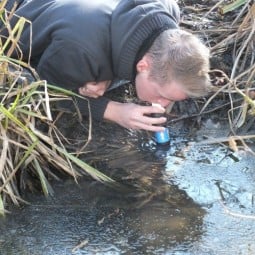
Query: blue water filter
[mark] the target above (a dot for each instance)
(162, 137)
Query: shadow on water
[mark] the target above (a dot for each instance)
(108, 222)
(192, 198)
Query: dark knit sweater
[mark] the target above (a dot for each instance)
(78, 41)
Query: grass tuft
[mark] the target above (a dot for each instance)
(26, 152)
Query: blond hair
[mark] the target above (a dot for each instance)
(181, 56)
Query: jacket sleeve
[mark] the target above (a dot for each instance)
(66, 67)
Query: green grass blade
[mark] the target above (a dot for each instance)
(32, 114)
(47, 189)
(16, 31)
(231, 6)
(65, 91)
(12, 108)
(96, 174)
(15, 103)
(18, 122)
(22, 160)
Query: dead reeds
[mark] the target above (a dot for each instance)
(228, 27)
(25, 106)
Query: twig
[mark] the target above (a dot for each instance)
(238, 215)
(213, 8)
(202, 113)
(214, 95)
(81, 245)
(251, 35)
(226, 139)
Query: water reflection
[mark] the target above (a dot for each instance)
(110, 221)
(173, 204)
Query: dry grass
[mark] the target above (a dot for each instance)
(241, 80)
(25, 151)
(228, 27)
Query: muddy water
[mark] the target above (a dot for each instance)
(193, 198)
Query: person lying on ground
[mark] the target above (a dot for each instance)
(84, 45)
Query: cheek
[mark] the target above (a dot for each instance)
(139, 92)
(145, 90)
(144, 93)
(139, 87)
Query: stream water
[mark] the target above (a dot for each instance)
(194, 198)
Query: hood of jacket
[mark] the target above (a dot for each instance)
(135, 24)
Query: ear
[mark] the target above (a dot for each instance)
(143, 64)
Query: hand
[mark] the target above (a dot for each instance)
(94, 89)
(134, 116)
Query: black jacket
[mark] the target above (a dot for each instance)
(77, 41)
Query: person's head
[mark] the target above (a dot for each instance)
(174, 68)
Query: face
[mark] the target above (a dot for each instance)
(153, 92)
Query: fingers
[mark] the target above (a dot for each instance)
(84, 91)
(143, 119)
(153, 109)
(149, 123)
(94, 89)
(153, 121)
(133, 116)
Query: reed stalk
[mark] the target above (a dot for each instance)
(24, 148)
